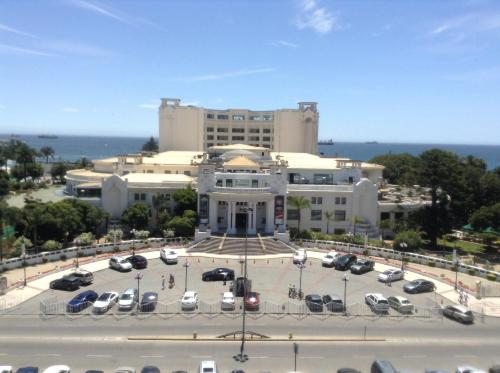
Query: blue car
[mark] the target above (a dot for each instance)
(82, 301)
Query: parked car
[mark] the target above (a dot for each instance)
(314, 302)
(81, 301)
(362, 266)
(168, 255)
(333, 303)
(329, 259)
(26, 370)
(190, 300)
(94, 371)
(347, 370)
(128, 299)
(436, 371)
(252, 301)
(120, 264)
(419, 286)
(227, 303)
(345, 262)
(469, 369)
(105, 301)
(66, 283)
(208, 366)
(86, 277)
(390, 275)
(382, 366)
(300, 256)
(459, 313)
(401, 304)
(150, 369)
(138, 261)
(125, 370)
(377, 302)
(218, 274)
(149, 301)
(5, 369)
(57, 369)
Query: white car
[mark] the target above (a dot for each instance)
(300, 256)
(377, 302)
(468, 369)
(128, 299)
(227, 302)
(391, 275)
(57, 369)
(208, 366)
(329, 259)
(120, 263)
(190, 300)
(125, 370)
(5, 369)
(401, 304)
(105, 301)
(168, 255)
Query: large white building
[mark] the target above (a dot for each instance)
(244, 183)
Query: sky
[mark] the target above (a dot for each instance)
(418, 71)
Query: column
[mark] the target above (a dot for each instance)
(270, 216)
(228, 219)
(232, 218)
(253, 217)
(213, 206)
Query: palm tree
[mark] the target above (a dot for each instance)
(24, 155)
(47, 152)
(329, 215)
(299, 203)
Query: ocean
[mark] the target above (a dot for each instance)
(73, 148)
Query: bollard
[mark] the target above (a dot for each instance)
(290, 335)
(227, 261)
(195, 335)
(254, 261)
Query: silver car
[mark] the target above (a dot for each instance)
(459, 313)
(128, 299)
(401, 304)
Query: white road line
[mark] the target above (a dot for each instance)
(2, 354)
(48, 354)
(105, 356)
(152, 356)
(310, 357)
(362, 356)
(260, 357)
(465, 356)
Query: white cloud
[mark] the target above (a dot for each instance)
(66, 47)
(101, 10)
(467, 24)
(229, 74)
(284, 43)
(70, 109)
(4, 27)
(10, 49)
(313, 16)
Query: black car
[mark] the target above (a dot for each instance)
(138, 261)
(94, 371)
(419, 286)
(218, 274)
(347, 370)
(362, 266)
(27, 370)
(314, 302)
(150, 369)
(148, 301)
(66, 283)
(82, 301)
(345, 262)
(333, 303)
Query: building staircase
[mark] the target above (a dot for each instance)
(236, 246)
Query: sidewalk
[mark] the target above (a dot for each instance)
(40, 276)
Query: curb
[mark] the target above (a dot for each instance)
(271, 339)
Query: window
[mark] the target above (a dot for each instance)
(166, 171)
(242, 183)
(339, 231)
(210, 129)
(210, 116)
(222, 137)
(229, 183)
(316, 229)
(219, 130)
(316, 200)
(253, 138)
(238, 117)
(255, 117)
(339, 215)
(254, 130)
(238, 138)
(222, 203)
(218, 183)
(266, 138)
(222, 116)
(140, 196)
(340, 200)
(267, 117)
(220, 219)
(255, 183)
(210, 144)
(136, 196)
(323, 179)
(238, 130)
(266, 130)
(385, 215)
(399, 215)
(316, 214)
(210, 137)
(293, 214)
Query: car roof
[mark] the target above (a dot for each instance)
(376, 295)
(459, 308)
(227, 294)
(148, 294)
(130, 291)
(333, 296)
(86, 292)
(314, 296)
(207, 364)
(399, 297)
(117, 257)
(190, 293)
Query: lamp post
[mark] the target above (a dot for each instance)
(186, 265)
(301, 266)
(345, 278)
(242, 357)
(77, 243)
(23, 251)
(403, 246)
(138, 277)
(456, 262)
(132, 232)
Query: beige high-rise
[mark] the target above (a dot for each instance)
(197, 129)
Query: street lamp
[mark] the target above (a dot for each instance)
(186, 265)
(77, 243)
(132, 232)
(138, 277)
(301, 266)
(403, 246)
(345, 278)
(242, 357)
(23, 251)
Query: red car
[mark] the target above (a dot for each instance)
(252, 301)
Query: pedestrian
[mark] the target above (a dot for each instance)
(466, 299)
(289, 290)
(162, 282)
(389, 280)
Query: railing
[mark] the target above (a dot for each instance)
(336, 188)
(242, 190)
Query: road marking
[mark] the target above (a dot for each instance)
(48, 354)
(465, 356)
(152, 356)
(310, 357)
(2, 354)
(362, 356)
(99, 355)
(260, 357)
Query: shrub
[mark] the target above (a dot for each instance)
(365, 252)
(491, 276)
(98, 252)
(471, 271)
(45, 260)
(84, 239)
(115, 250)
(63, 257)
(51, 245)
(431, 264)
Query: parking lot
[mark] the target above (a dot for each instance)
(270, 278)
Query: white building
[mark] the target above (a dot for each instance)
(244, 184)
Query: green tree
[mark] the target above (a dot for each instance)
(299, 203)
(24, 155)
(4, 183)
(329, 215)
(51, 245)
(490, 188)
(486, 217)
(17, 246)
(384, 226)
(182, 226)
(84, 239)
(136, 216)
(185, 199)
(412, 240)
(92, 218)
(47, 152)
(399, 168)
(58, 171)
(151, 145)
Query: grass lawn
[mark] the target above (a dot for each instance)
(466, 246)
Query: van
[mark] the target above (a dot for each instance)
(382, 366)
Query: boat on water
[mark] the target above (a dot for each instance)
(371, 142)
(47, 137)
(326, 142)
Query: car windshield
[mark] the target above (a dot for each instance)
(329, 256)
(382, 301)
(126, 296)
(123, 261)
(207, 370)
(104, 297)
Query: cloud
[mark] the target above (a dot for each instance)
(75, 48)
(476, 76)
(284, 43)
(229, 74)
(11, 49)
(315, 17)
(468, 24)
(4, 27)
(70, 109)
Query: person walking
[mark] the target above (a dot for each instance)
(466, 299)
(162, 282)
(389, 280)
